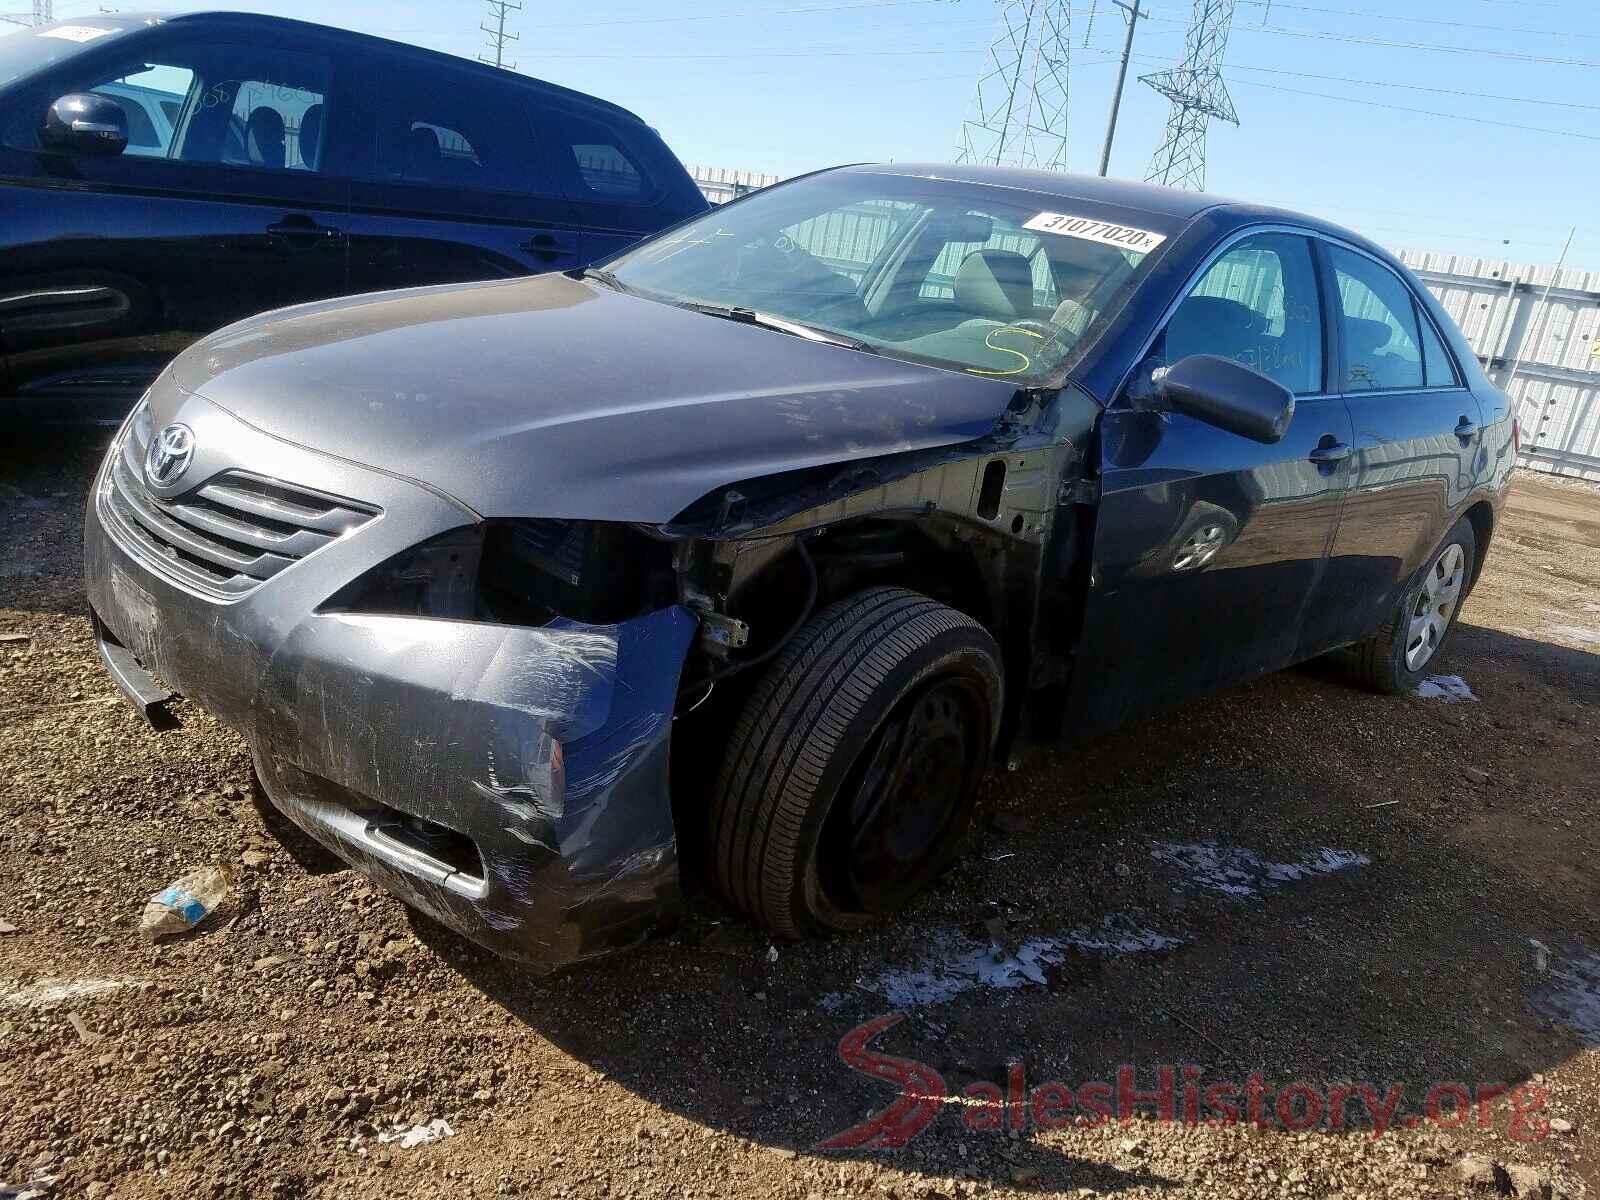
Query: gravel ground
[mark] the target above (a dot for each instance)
(1295, 882)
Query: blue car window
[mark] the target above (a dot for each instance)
(1379, 321)
(1257, 304)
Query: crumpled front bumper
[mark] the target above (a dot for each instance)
(510, 782)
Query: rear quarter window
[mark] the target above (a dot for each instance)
(601, 161)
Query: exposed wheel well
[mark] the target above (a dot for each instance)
(919, 555)
(1481, 515)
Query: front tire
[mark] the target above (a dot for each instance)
(852, 774)
(1397, 657)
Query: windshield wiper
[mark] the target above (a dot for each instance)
(600, 275)
(751, 316)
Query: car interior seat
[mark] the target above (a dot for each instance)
(263, 137)
(311, 137)
(423, 159)
(997, 284)
(1370, 367)
(1215, 325)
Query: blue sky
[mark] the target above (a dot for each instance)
(790, 85)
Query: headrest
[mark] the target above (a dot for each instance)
(1211, 325)
(1366, 337)
(422, 152)
(996, 283)
(263, 137)
(311, 136)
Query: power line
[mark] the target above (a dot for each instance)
(1588, 137)
(745, 12)
(1409, 87)
(1416, 87)
(1367, 40)
(1442, 21)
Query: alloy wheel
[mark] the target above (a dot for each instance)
(1199, 548)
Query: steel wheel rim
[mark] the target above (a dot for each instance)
(882, 841)
(1430, 612)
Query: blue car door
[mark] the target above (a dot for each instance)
(1209, 547)
(1417, 433)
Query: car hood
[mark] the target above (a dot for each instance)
(555, 397)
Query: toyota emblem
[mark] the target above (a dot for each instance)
(169, 455)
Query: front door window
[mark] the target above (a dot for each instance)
(1258, 305)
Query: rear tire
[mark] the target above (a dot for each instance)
(1396, 658)
(853, 771)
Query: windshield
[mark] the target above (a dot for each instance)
(989, 280)
(30, 50)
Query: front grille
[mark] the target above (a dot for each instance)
(228, 535)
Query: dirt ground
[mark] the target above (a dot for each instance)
(1296, 883)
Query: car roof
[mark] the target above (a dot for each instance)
(127, 22)
(1175, 204)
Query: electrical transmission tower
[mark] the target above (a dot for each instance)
(42, 14)
(1197, 93)
(1019, 111)
(499, 39)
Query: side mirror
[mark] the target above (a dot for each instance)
(85, 123)
(1220, 392)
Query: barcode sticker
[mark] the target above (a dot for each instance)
(1107, 233)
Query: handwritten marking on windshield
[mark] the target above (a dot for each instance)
(1026, 361)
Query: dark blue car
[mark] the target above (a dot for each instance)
(763, 536)
(161, 178)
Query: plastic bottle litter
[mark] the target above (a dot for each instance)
(186, 901)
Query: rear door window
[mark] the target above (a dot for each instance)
(1437, 369)
(273, 123)
(607, 171)
(1379, 322)
(1257, 304)
(458, 130)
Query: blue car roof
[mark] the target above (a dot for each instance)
(1177, 205)
(127, 22)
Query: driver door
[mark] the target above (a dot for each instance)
(1208, 546)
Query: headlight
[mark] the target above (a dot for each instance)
(521, 572)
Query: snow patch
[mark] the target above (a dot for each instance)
(1571, 995)
(1244, 874)
(48, 993)
(418, 1135)
(954, 963)
(1452, 689)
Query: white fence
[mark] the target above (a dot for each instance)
(721, 184)
(1544, 353)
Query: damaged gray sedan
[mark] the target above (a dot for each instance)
(754, 546)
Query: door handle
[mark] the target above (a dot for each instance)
(546, 247)
(1465, 428)
(1330, 453)
(303, 230)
